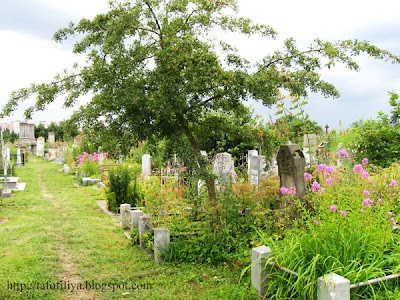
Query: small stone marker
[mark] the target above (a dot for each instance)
(144, 221)
(333, 287)
(135, 215)
(66, 169)
(125, 215)
(291, 168)
(146, 165)
(259, 271)
(19, 163)
(161, 243)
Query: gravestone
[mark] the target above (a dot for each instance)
(255, 169)
(19, 162)
(291, 168)
(51, 137)
(146, 165)
(27, 136)
(61, 158)
(309, 145)
(8, 155)
(40, 146)
(250, 154)
(223, 167)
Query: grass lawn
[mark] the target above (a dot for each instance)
(55, 233)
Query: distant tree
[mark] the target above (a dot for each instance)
(42, 131)
(9, 136)
(154, 68)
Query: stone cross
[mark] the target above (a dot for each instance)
(326, 128)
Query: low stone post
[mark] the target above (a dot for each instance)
(125, 215)
(144, 220)
(161, 243)
(135, 214)
(333, 287)
(259, 270)
(66, 169)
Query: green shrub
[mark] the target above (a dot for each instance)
(123, 188)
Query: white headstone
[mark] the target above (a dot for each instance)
(51, 137)
(255, 169)
(19, 163)
(40, 146)
(223, 166)
(146, 165)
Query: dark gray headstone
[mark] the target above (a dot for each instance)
(291, 168)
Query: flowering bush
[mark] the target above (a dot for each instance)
(349, 232)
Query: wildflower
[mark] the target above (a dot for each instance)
(316, 221)
(365, 161)
(329, 181)
(358, 168)
(370, 181)
(393, 183)
(284, 190)
(362, 210)
(389, 213)
(332, 208)
(307, 176)
(391, 219)
(380, 200)
(366, 193)
(315, 186)
(292, 190)
(343, 153)
(343, 213)
(330, 169)
(321, 167)
(321, 190)
(364, 174)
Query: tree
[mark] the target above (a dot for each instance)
(154, 70)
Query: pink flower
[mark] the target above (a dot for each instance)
(330, 169)
(284, 190)
(321, 167)
(393, 183)
(343, 213)
(358, 168)
(307, 176)
(315, 186)
(364, 174)
(332, 208)
(380, 200)
(343, 153)
(366, 202)
(329, 181)
(365, 161)
(316, 221)
(370, 181)
(366, 193)
(391, 219)
(321, 190)
(362, 210)
(292, 190)
(389, 214)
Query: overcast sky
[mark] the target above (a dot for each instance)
(28, 53)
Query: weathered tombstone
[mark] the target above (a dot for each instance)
(255, 169)
(309, 144)
(146, 165)
(250, 154)
(162, 241)
(125, 215)
(223, 167)
(51, 137)
(19, 162)
(66, 169)
(61, 159)
(40, 146)
(291, 168)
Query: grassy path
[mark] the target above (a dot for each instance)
(54, 233)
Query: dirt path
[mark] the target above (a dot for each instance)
(70, 274)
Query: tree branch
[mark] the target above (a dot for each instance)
(154, 16)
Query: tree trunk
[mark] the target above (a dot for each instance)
(202, 164)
